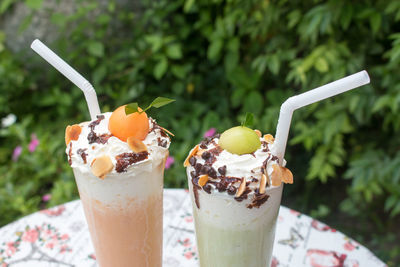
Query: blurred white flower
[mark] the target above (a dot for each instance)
(9, 120)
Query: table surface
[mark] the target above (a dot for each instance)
(59, 237)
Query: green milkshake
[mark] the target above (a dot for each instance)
(236, 193)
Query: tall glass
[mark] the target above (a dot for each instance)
(231, 235)
(124, 214)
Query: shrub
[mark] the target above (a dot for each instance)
(218, 59)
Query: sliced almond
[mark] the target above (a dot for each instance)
(168, 132)
(276, 175)
(263, 183)
(136, 145)
(242, 187)
(287, 176)
(258, 132)
(203, 180)
(192, 153)
(101, 166)
(269, 138)
(72, 133)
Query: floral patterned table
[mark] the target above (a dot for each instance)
(59, 237)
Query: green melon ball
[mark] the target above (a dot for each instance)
(240, 140)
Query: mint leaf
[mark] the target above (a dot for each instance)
(160, 101)
(248, 121)
(157, 103)
(131, 108)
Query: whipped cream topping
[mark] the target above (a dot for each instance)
(226, 170)
(95, 140)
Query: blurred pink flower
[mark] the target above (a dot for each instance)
(46, 197)
(188, 255)
(11, 249)
(210, 132)
(16, 153)
(30, 236)
(169, 162)
(33, 144)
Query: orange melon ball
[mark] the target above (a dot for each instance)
(132, 125)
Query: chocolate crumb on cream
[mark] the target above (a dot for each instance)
(95, 140)
(82, 153)
(226, 171)
(126, 159)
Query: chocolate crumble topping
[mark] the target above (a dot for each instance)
(258, 200)
(70, 154)
(217, 176)
(222, 170)
(192, 161)
(244, 195)
(93, 137)
(99, 139)
(161, 142)
(264, 165)
(196, 193)
(265, 145)
(81, 152)
(273, 158)
(93, 124)
(207, 188)
(124, 160)
(206, 141)
(198, 167)
(231, 190)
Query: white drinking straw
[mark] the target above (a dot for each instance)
(71, 74)
(292, 103)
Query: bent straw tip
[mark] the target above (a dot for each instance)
(366, 76)
(35, 43)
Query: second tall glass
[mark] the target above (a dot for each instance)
(236, 188)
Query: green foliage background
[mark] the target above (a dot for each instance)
(220, 59)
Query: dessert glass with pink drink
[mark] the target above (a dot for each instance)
(118, 161)
(120, 184)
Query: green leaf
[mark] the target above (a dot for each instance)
(174, 51)
(157, 103)
(5, 4)
(25, 23)
(34, 4)
(321, 65)
(96, 49)
(160, 68)
(179, 71)
(160, 101)
(253, 102)
(59, 19)
(248, 120)
(214, 49)
(131, 108)
(294, 17)
(155, 41)
(188, 5)
(347, 15)
(375, 21)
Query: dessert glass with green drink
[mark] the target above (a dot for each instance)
(236, 180)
